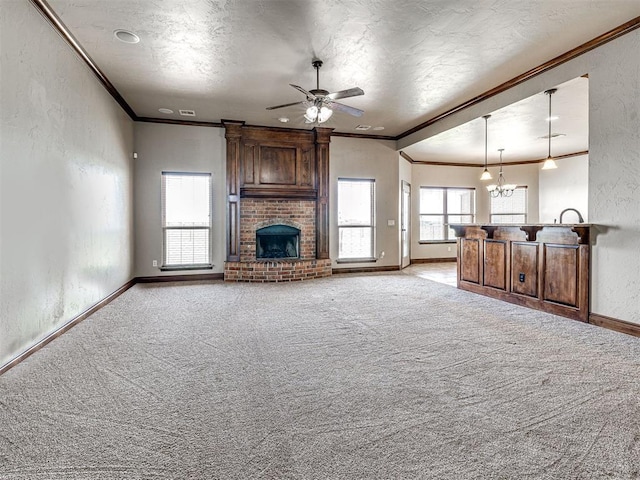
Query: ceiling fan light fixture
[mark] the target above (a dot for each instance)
(324, 114)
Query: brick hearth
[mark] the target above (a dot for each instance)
(258, 213)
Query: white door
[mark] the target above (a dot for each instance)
(405, 224)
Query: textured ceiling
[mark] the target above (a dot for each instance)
(413, 59)
(521, 129)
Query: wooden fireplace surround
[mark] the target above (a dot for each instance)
(277, 164)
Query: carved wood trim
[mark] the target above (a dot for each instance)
(279, 193)
(233, 134)
(322, 139)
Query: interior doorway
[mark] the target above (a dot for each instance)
(405, 224)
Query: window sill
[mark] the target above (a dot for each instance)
(173, 268)
(435, 242)
(357, 260)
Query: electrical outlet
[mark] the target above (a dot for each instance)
(448, 249)
(155, 263)
(521, 277)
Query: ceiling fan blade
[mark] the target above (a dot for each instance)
(285, 105)
(309, 95)
(352, 92)
(340, 107)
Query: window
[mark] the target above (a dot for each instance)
(440, 206)
(356, 224)
(186, 219)
(511, 209)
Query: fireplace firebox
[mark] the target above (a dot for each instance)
(277, 241)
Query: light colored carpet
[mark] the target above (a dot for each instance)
(356, 376)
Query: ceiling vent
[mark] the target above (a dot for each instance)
(553, 135)
(187, 113)
(363, 127)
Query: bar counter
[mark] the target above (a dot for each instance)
(541, 266)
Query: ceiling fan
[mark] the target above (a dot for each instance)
(320, 103)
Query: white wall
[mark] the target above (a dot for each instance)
(444, 176)
(614, 164)
(364, 158)
(614, 176)
(565, 187)
(65, 183)
(175, 148)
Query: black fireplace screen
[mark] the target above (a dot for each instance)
(278, 241)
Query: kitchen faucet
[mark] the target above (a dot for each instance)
(580, 219)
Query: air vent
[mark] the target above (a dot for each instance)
(553, 135)
(187, 113)
(363, 127)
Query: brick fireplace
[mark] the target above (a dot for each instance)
(277, 178)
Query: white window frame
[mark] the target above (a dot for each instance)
(371, 225)
(493, 217)
(446, 234)
(166, 229)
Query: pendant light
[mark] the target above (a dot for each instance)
(502, 189)
(485, 174)
(549, 163)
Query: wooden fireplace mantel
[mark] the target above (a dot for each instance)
(276, 163)
(541, 266)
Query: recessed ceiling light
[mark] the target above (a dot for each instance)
(165, 110)
(283, 119)
(377, 128)
(126, 36)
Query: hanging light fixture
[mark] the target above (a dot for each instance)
(485, 174)
(317, 113)
(549, 163)
(502, 189)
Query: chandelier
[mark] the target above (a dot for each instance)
(549, 163)
(502, 189)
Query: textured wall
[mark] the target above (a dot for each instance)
(360, 158)
(614, 177)
(565, 187)
(66, 183)
(175, 148)
(443, 176)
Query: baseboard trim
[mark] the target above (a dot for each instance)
(615, 324)
(66, 327)
(434, 260)
(610, 323)
(198, 277)
(390, 268)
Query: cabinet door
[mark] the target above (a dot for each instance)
(495, 264)
(561, 274)
(524, 268)
(470, 260)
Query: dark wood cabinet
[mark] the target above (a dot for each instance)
(545, 267)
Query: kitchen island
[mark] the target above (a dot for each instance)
(541, 266)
